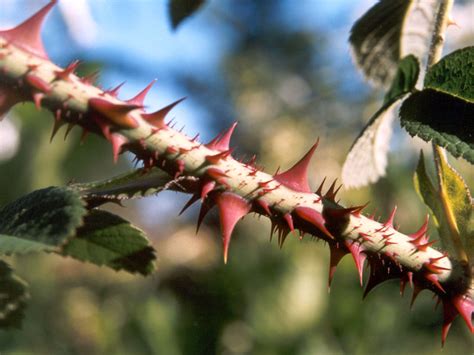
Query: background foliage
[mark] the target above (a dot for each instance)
(285, 73)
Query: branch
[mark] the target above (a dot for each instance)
(236, 188)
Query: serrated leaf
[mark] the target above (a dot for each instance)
(454, 75)
(107, 239)
(13, 297)
(41, 220)
(441, 118)
(450, 204)
(390, 30)
(135, 184)
(366, 161)
(179, 10)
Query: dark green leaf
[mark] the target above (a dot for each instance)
(41, 220)
(13, 297)
(441, 118)
(405, 78)
(181, 9)
(454, 75)
(135, 184)
(107, 239)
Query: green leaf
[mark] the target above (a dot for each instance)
(107, 239)
(441, 118)
(181, 9)
(41, 220)
(454, 75)
(390, 30)
(405, 78)
(367, 159)
(134, 184)
(450, 204)
(13, 297)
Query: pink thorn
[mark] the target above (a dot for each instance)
(37, 98)
(359, 257)
(313, 217)
(140, 97)
(416, 291)
(296, 177)
(117, 141)
(38, 83)
(91, 78)
(423, 229)
(157, 118)
(115, 112)
(289, 220)
(27, 35)
(264, 205)
(449, 314)
(231, 209)
(214, 159)
(337, 253)
(465, 307)
(66, 73)
(222, 140)
(115, 91)
(206, 188)
(390, 219)
(216, 173)
(180, 167)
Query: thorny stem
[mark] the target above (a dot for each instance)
(434, 55)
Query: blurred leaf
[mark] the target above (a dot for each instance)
(451, 205)
(134, 184)
(13, 297)
(179, 10)
(441, 118)
(390, 30)
(367, 159)
(41, 220)
(107, 239)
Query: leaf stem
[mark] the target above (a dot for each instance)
(434, 55)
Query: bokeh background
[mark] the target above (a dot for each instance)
(283, 70)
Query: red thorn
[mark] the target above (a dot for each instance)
(65, 74)
(434, 280)
(296, 177)
(117, 113)
(214, 159)
(140, 97)
(416, 291)
(390, 219)
(91, 78)
(27, 35)
(222, 140)
(115, 91)
(423, 229)
(337, 253)
(117, 141)
(319, 191)
(188, 204)
(37, 98)
(264, 206)
(157, 118)
(313, 217)
(359, 257)
(332, 191)
(289, 221)
(231, 209)
(205, 208)
(465, 306)
(339, 212)
(215, 173)
(38, 83)
(206, 188)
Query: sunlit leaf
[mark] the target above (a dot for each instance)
(107, 239)
(451, 205)
(13, 297)
(179, 10)
(366, 161)
(41, 220)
